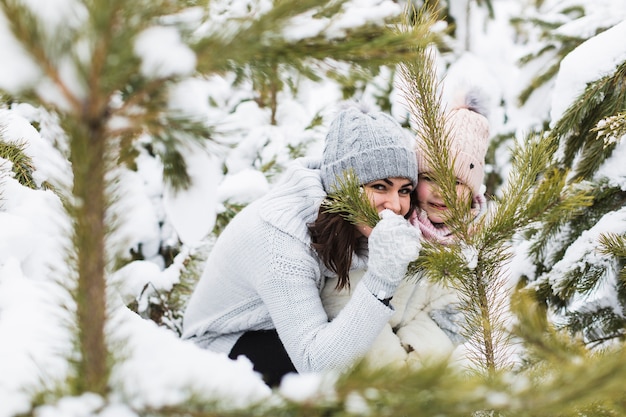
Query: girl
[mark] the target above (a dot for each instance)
(259, 295)
(430, 325)
(426, 323)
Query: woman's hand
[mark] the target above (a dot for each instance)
(393, 244)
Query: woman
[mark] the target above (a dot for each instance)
(259, 295)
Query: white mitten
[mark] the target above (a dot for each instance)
(393, 244)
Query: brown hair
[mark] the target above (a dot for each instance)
(335, 240)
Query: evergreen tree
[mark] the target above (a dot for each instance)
(476, 266)
(558, 24)
(576, 274)
(99, 74)
(579, 263)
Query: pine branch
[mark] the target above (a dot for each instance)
(23, 167)
(554, 46)
(348, 198)
(262, 41)
(612, 129)
(613, 244)
(422, 91)
(576, 129)
(536, 193)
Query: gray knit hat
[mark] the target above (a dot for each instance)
(373, 145)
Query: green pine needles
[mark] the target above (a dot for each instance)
(22, 163)
(348, 198)
(476, 266)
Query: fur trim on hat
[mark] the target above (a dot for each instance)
(473, 99)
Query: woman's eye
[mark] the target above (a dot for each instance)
(406, 191)
(379, 187)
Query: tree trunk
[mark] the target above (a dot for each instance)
(88, 162)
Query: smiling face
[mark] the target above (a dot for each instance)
(430, 200)
(389, 193)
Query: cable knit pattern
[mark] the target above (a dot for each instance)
(263, 274)
(393, 244)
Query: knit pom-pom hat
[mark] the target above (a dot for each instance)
(468, 129)
(371, 144)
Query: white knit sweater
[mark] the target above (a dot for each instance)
(262, 274)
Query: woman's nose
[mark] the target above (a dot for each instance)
(392, 202)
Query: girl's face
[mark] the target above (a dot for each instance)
(430, 200)
(389, 193)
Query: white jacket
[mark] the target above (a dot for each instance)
(420, 329)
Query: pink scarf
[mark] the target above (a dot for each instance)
(443, 234)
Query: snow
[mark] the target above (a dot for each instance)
(354, 13)
(613, 168)
(158, 368)
(189, 209)
(189, 372)
(20, 71)
(163, 54)
(590, 61)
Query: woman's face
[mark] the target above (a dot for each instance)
(429, 198)
(389, 193)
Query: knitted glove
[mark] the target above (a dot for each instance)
(393, 244)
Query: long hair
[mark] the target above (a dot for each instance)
(335, 240)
